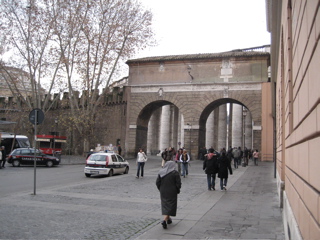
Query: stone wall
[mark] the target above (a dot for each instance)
(295, 61)
(109, 121)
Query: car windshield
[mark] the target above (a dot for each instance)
(94, 157)
(23, 142)
(38, 152)
(120, 159)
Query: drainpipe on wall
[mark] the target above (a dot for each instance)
(274, 129)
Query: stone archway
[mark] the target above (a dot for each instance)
(224, 122)
(143, 120)
(195, 106)
(195, 84)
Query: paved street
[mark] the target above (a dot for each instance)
(123, 207)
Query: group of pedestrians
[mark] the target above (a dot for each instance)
(217, 164)
(237, 154)
(181, 158)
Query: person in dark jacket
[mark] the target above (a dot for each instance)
(167, 155)
(169, 185)
(211, 169)
(4, 156)
(224, 166)
(177, 159)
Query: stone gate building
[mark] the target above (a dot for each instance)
(192, 101)
(170, 100)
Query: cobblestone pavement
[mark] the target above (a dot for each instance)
(120, 207)
(123, 207)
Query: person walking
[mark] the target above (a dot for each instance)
(245, 156)
(241, 156)
(1, 159)
(255, 157)
(236, 155)
(177, 158)
(163, 156)
(184, 159)
(210, 168)
(167, 155)
(169, 184)
(141, 159)
(224, 166)
(4, 156)
(230, 155)
(250, 154)
(119, 150)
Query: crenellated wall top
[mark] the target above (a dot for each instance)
(114, 96)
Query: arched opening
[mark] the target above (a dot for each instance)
(159, 126)
(225, 123)
(222, 124)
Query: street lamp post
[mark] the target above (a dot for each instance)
(54, 136)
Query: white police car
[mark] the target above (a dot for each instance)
(105, 163)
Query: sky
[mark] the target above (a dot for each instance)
(206, 26)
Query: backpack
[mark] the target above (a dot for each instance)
(210, 155)
(236, 153)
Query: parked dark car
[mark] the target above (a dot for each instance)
(25, 156)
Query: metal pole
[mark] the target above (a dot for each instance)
(190, 143)
(34, 145)
(54, 138)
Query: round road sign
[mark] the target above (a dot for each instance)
(36, 114)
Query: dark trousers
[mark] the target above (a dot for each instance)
(211, 180)
(223, 182)
(236, 162)
(140, 166)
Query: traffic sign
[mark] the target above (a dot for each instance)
(36, 116)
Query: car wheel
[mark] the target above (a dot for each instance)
(49, 164)
(126, 171)
(16, 163)
(88, 175)
(110, 173)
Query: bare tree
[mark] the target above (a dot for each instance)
(98, 36)
(80, 42)
(26, 26)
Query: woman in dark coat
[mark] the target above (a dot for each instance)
(224, 166)
(211, 169)
(169, 184)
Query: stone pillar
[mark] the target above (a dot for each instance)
(216, 128)
(230, 126)
(237, 125)
(150, 139)
(248, 129)
(175, 129)
(164, 136)
(181, 138)
(222, 127)
(210, 130)
(153, 133)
